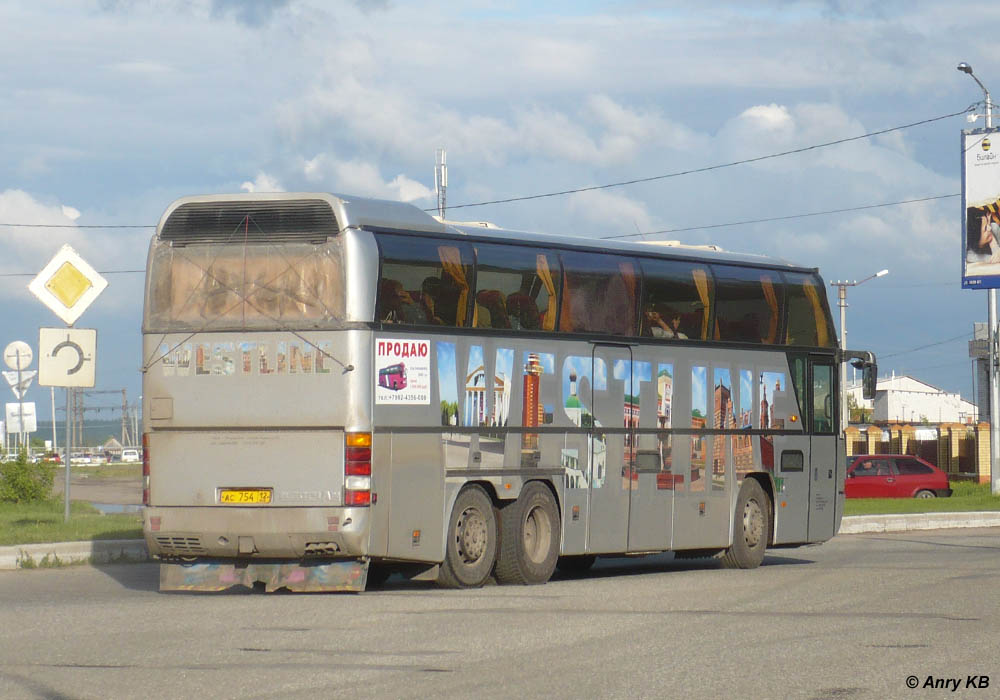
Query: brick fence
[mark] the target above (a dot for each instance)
(961, 450)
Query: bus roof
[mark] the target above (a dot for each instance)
(364, 212)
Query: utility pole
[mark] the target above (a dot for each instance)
(845, 414)
(992, 321)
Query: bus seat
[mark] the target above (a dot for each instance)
(524, 311)
(493, 301)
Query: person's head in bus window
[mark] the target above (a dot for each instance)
(430, 293)
(391, 296)
(665, 323)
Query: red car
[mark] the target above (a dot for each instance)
(894, 476)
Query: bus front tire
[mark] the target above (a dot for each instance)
(471, 549)
(529, 537)
(751, 528)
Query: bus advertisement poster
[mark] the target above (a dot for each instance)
(402, 371)
(981, 209)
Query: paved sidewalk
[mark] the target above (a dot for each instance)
(105, 551)
(859, 524)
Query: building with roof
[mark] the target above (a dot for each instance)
(904, 399)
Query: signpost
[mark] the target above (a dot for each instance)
(18, 357)
(67, 356)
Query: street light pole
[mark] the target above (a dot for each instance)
(842, 303)
(992, 321)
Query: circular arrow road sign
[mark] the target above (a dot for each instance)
(18, 355)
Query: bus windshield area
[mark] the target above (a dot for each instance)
(236, 286)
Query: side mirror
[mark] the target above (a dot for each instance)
(865, 361)
(868, 375)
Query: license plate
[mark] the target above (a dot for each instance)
(245, 496)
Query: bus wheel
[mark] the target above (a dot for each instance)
(472, 541)
(576, 564)
(751, 528)
(529, 537)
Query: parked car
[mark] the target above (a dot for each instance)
(894, 476)
(130, 455)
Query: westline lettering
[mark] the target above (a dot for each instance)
(245, 358)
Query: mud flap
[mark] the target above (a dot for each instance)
(218, 575)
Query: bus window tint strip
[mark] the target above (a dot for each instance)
(428, 281)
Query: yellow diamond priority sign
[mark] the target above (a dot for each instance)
(68, 285)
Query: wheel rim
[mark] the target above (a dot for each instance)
(925, 494)
(536, 534)
(753, 524)
(471, 535)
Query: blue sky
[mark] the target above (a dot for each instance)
(113, 108)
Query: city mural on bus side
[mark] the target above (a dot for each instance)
(534, 410)
(772, 387)
(699, 416)
(581, 376)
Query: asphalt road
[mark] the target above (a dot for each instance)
(85, 487)
(852, 618)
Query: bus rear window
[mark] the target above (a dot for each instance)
(232, 287)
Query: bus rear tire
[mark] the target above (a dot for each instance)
(471, 549)
(751, 528)
(529, 537)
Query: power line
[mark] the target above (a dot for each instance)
(708, 168)
(924, 347)
(80, 225)
(101, 272)
(624, 183)
(782, 218)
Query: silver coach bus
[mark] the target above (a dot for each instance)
(338, 388)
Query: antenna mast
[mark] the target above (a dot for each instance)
(441, 179)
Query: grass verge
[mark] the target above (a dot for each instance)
(34, 523)
(966, 497)
(101, 472)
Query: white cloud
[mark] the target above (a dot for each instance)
(613, 212)
(27, 249)
(262, 183)
(361, 178)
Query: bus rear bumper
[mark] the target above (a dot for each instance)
(255, 533)
(300, 577)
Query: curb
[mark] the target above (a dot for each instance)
(902, 522)
(28, 556)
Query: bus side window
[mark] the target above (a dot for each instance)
(678, 295)
(599, 294)
(515, 288)
(822, 388)
(808, 319)
(424, 281)
(749, 304)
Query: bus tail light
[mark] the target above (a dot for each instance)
(145, 469)
(357, 469)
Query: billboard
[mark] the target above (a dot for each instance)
(981, 209)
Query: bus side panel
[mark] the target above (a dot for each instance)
(416, 508)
